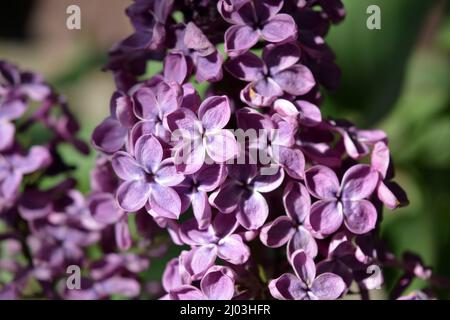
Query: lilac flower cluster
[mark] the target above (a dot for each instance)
(299, 221)
(45, 230)
(323, 199)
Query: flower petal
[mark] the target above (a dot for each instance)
(227, 197)
(296, 80)
(296, 201)
(328, 286)
(239, 39)
(233, 249)
(7, 131)
(287, 287)
(186, 292)
(149, 152)
(292, 160)
(126, 167)
(281, 27)
(165, 201)
(247, 67)
(322, 182)
(132, 195)
(215, 112)
(278, 232)
(175, 67)
(302, 239)
(304, 267)
(253, 211)
(326, 217)
(359, 182)
(103, 208)
(122, 234)
(360, 216)
(198, 260)
(217, 284)
(280, 56)
(221, 145)
(109, 136)
(268, 180)
(201, 209)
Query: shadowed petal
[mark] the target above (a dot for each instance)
(304, 267)
(268, 182)
(239, 39)
(281, 56)
(227, 197)
(278, 232)
(122, 234)
(287, 287)
(201, 209)
(109, 136)
(326, 217)
(296, 201)
(104, 209)
(247, 67)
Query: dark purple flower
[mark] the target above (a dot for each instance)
(290, 229)
(241, 193)
(253, 20)
(196, 186)
(278, 72)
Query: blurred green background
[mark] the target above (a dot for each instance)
(396, 78)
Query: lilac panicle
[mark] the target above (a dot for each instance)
(292, 213)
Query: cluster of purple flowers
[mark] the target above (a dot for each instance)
(46, 230)
(299, 223)
(319, 201)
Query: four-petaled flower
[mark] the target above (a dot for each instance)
(345, 202)
(305, 285)
(276, 73)
(148, 178)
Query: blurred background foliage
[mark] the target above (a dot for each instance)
(396, 78)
